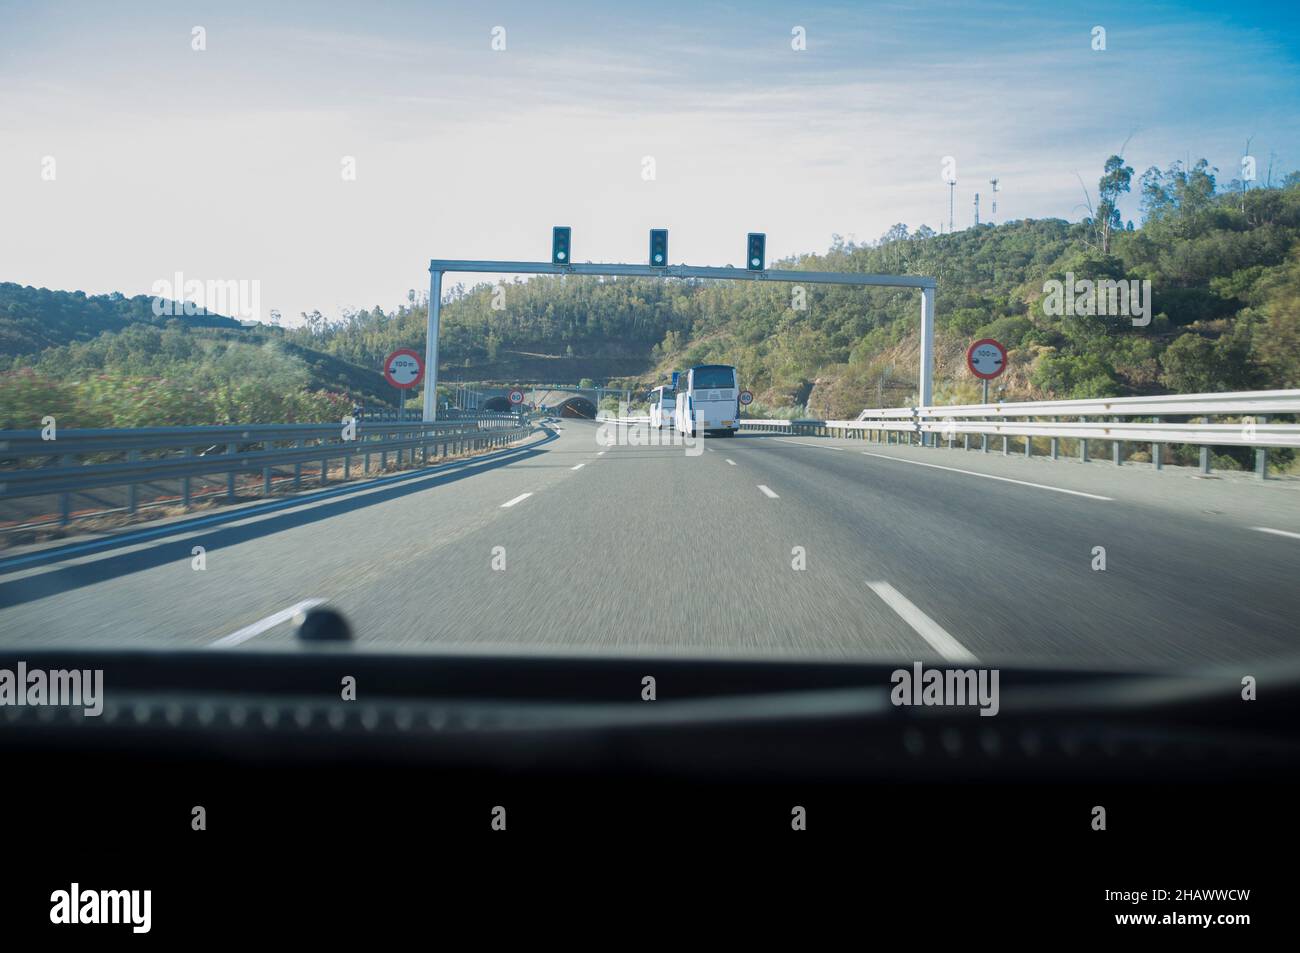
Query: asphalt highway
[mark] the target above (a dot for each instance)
(758, 545)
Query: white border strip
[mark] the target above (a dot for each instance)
(815, 446)
(1276, 532)
(270, 622)
(990, 476)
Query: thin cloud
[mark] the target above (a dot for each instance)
(226, 162)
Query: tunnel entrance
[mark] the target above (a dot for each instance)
(500, 405)
(578, 407)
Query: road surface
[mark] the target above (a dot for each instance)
(909, 553)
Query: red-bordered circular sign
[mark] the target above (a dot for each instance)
(516, 397)
(986, 358)
(746, 398)
(403, 368)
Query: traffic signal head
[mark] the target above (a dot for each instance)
(756, 259)
(560, 251)
(658, 247)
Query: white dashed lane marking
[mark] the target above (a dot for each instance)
(922, 624)
(518, 499)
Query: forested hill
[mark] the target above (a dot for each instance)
(33, 319)
(1224, 268)
(117, 364)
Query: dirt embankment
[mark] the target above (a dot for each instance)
(890, 380)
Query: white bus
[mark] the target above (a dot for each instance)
(708, 401)
(663, 407)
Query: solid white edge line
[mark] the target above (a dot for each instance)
(768, 490)
(922, 624)
(1276, 532)
(518, 499)
(990, 476)
(818, 446)
(270, 622)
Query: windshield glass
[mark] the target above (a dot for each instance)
(710, 378)
(1020, 387)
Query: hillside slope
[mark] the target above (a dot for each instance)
(33, 319)
(1224, 292)
(1223, 267)
(117, 364)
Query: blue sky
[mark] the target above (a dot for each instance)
(225, 163)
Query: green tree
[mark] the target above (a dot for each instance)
(1188, 365)
(1114, 182)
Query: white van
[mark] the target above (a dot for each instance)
(663, 407)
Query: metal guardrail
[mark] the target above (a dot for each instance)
(792, 427)
(820, 428)
(81, 461)
(1230, 403)
(1252, 429)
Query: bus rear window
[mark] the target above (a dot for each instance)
(714, 377)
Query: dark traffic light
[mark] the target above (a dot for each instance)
(757, 257)
(560, 251)
(658, 247)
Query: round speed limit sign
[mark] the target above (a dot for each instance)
(986, 359)
(516, 397)
(746, 398)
